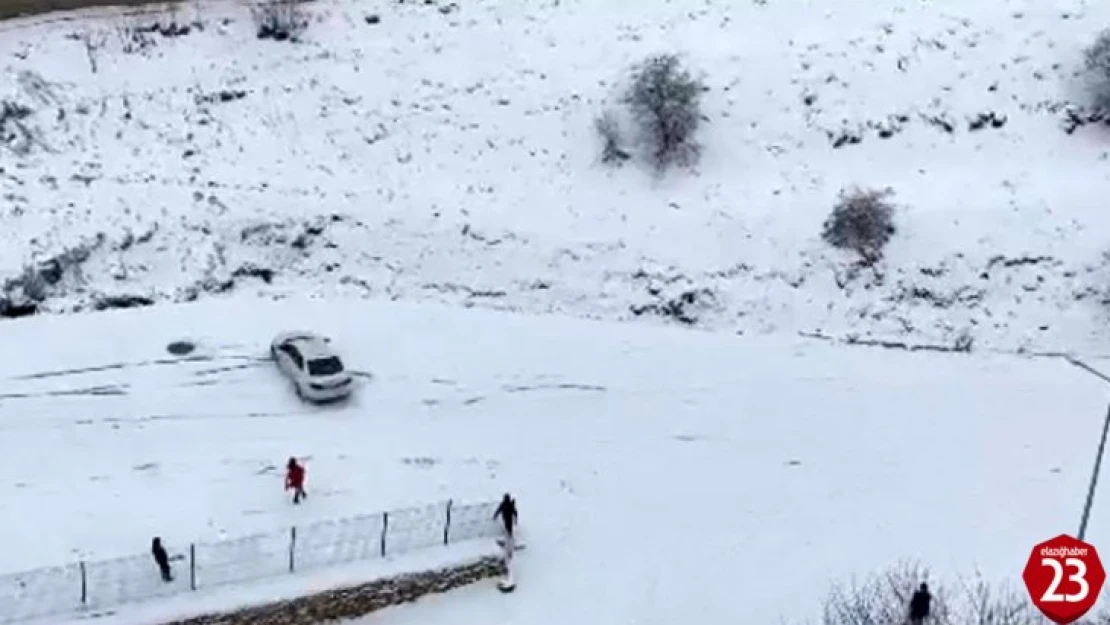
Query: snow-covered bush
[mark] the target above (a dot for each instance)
(861, 221)
(1097, 60)
(24, 294)
(138, 35)
(665, 102)
(15, 133)
(134, 39)
(280, 20)
(608, 128)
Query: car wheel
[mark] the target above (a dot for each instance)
(299, 391)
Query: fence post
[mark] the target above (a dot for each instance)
(447, 524)
(192, 566)
(1094, 477)
(385, 528)
(292, 549)
(84, 585)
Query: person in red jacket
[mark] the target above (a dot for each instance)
(294, 479)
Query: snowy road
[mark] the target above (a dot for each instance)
(644, 455)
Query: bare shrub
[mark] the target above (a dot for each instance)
(16, 135)
(134, 39)
(25, 293)
(1100, 618)
(608, 128)
(882, 599)
(861, 221)
(665, 102)
(93, 41)
(1097, 61)
(983, 604)
(140, 34)
(280, 20)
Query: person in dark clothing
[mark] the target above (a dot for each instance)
(161, 558)
(507, 511)
(294, 479)
(919, 605)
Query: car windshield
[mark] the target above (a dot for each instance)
(325, 366)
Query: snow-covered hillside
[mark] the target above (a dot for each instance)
(446, 151)
(656, 469)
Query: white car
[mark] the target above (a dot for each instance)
(316, 371)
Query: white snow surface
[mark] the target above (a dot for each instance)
(660, 473)
(446, 156)
(447, 153)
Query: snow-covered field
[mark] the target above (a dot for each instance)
(447, 152)
(656, 469)
(443, 156)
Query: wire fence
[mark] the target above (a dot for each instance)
(97, 585)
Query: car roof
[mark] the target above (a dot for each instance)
(311, 346)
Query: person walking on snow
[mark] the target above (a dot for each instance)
(161, 558)
(294, 479)
(507, 511)
(919, 605)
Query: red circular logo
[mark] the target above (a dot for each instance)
(1064, 577)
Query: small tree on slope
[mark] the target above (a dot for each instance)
(665, 102)
(608, 128)
(280, 20)
(1097, 61)
(861, 221)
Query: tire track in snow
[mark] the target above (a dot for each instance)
(96, 391)
(119, 366)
